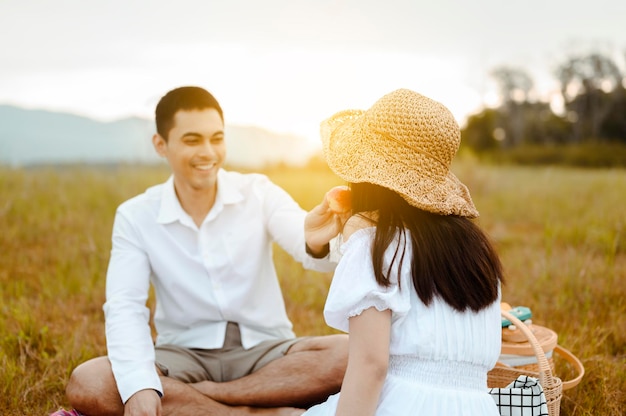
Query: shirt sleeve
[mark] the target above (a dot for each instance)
(129, 339)
(285, 222)
(354, 287)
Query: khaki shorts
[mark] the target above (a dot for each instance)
(232, 361)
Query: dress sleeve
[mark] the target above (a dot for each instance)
(354, 287)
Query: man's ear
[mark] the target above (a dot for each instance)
(159, 144)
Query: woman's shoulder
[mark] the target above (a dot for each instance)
(356, 223)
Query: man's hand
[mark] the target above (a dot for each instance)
(322, 224)
(339, 199)
(143, 403)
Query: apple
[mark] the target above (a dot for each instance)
(339, 199)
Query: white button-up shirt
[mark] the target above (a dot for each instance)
(202, 277)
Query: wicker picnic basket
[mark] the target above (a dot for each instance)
(516, 348)
(501, 375)
(558, 351)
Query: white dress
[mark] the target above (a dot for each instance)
(439, 358)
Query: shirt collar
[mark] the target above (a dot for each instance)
(228, 189)
(170, 211)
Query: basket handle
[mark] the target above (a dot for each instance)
(575, 363)
(545, 373)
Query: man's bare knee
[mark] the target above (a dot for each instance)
(92, 387)
(87, 376)
(338, 352)
(334, 349)
(337, 343)
(332, 344)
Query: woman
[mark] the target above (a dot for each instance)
(418, 284)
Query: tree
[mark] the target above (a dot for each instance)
(586, 85)
(614, 126)
(480, 132)
(514, 85)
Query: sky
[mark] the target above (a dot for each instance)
(285, 65)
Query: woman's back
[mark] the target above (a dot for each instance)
(433, 332)
(439, 357)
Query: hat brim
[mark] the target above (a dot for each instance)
(357, 154)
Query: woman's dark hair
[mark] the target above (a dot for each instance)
(452, 257)
(182, 98)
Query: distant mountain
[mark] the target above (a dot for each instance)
(30, 137)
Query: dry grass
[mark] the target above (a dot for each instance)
(561, 234)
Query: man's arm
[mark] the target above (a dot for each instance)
(305, 236)
(144, 402)
(322, 225)
(129, 339)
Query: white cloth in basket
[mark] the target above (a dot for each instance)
(439, 357)
(523, 397)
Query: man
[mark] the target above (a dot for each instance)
(203, 240)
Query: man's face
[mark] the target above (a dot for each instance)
(195, 149)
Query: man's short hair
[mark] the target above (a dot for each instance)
(182, 98)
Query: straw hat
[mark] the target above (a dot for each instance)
(405, 142)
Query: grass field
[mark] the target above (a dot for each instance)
(561, 234)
